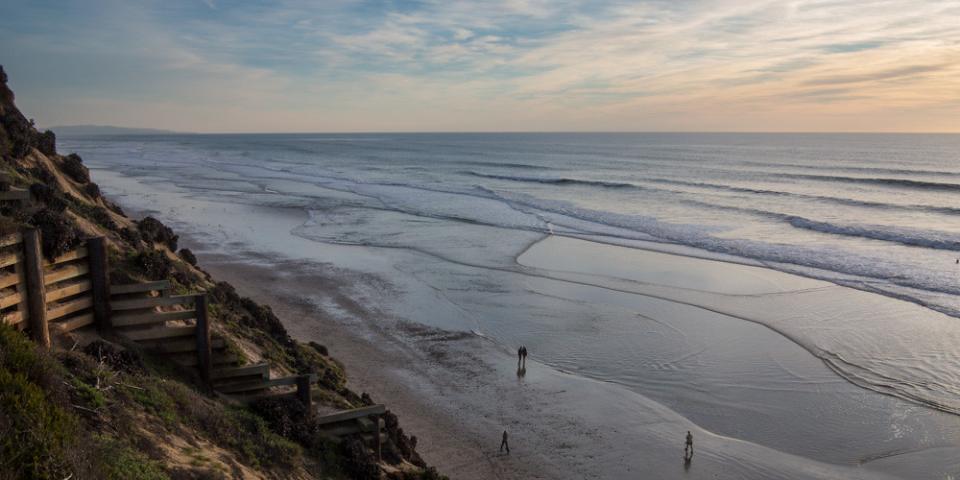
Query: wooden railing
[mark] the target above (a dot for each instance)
(39, 294)
(72, 291)
(13, 283)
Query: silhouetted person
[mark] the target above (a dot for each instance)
(519, 356)
(523, 353)
(504, 444)
(688, 449)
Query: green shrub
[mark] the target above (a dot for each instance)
(155, 399)
(39, 435)
(120, 462)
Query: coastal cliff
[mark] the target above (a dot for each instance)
(100, 407)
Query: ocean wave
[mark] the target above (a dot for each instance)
(890, 182)
(508, 165)
(722, 187)
(904, 236)
(854, 169)
(556, 180)
(719, 187)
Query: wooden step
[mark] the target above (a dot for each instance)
(147, 318)
(222, 359)
(176, 345)
(261, 384)
(159, 333)
(139, 303)
(259, 369)
(352, 414)
(139, 287)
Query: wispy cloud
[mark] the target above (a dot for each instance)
(299, 65)
(911, 71)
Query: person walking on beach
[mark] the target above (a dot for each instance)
(523, 353)
(504, 444)
(688, 449)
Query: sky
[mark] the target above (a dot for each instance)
(498, 65)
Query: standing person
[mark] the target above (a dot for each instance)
(504, 444)
(688, 449)
(524, 351)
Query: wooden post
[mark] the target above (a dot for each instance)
(36, 290)
(303, 392)
(376, 436)
(204, 354)
(100, 284)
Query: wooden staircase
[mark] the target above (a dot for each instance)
(175, 327)
(70, 292)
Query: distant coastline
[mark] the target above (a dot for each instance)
(87, 130)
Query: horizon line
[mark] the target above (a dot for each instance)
(162, 131)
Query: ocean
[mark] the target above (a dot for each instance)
(751, 283)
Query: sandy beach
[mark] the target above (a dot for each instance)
(632, 343)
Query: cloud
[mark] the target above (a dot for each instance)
(892, 73)
(299, 65)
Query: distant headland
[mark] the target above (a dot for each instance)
(77, 130)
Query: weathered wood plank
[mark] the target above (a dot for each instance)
(11, 239)
(136, 303)
(69, 307)
(74, 323)
(139, 287)
(159, 333)
(352, 414)
(67, 257)
(68, 291)
(10, 279)
(262, 384)
(261, 369)
(65, 273)
(10, 259)
(133, 319)
(11, 318)
(14, 317)
(10, 300)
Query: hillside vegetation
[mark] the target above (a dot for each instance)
(100, 408)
